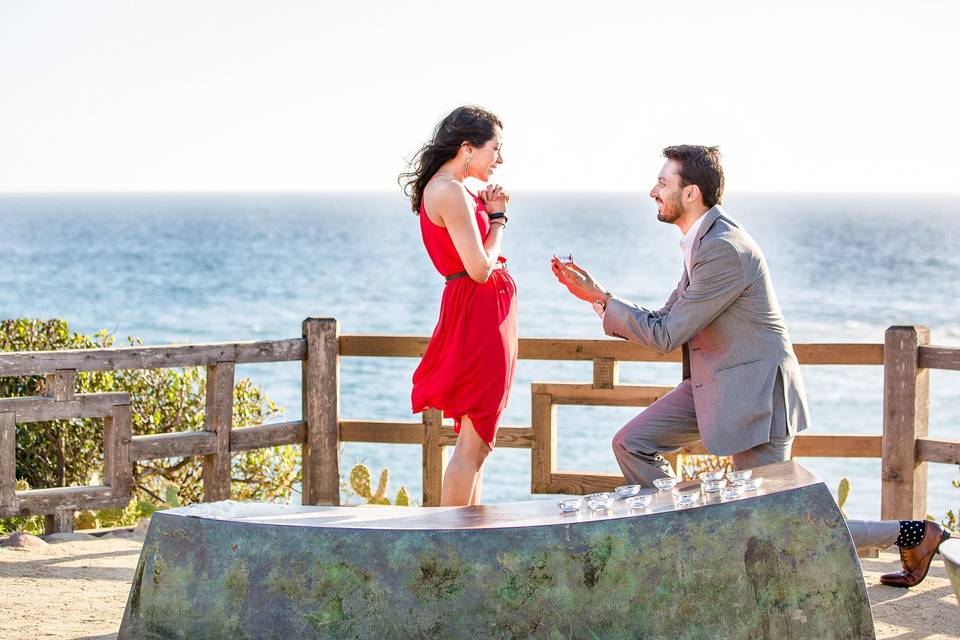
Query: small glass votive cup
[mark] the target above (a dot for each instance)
(569, 505)
(733, 491)
(599, 501)
(640, 502)
(708, 476)
(753, 484)
(688, 497)
(714, 486)
(665, 484)
(628, 490)
(739, 477)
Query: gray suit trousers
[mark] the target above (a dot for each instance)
(671, 423)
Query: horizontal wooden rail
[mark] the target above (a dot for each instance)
(170, 445)
(202, 443)
(839, 353)
(382, 431)
(576, 349)
(621, 395)
(804, 446)
(173, 445)
(88, 405)
(27, 363)
(384, 346)
(268, 435)
(943, 451)
(507, 437)
(940, 358)
(38, 501)
(825, 446)
(157, 357)
(837, 446)
(393, 432)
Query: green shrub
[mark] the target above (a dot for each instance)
(30, 524)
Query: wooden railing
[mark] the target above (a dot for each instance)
(904, 446)
(316, 431)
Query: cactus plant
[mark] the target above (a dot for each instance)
(843, 492)
(360, 481)
(360, 484)
(380, 497)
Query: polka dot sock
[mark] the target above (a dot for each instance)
(911, 534)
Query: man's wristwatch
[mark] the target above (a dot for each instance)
(600, 304)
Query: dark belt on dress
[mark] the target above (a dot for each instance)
(454, 276)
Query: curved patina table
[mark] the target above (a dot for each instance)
(777, 563)
(950, 551)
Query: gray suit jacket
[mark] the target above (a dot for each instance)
(727, 318)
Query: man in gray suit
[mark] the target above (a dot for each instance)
(742, 393)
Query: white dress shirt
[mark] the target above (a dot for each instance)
(686, 243)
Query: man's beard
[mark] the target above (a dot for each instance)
(671, 212)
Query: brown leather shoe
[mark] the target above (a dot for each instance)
(916, 561)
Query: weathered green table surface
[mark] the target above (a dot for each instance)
(777, 563)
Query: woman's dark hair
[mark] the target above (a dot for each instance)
(699, 165)
(464, 124)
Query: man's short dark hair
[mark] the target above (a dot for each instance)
(699, 165)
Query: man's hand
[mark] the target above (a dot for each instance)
(578, 281)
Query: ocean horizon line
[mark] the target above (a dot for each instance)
(844, 195)
(536, 191)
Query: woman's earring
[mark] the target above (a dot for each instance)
(466, 169)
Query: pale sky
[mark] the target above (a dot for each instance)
(316, 96)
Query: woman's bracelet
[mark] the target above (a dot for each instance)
(499, 222)
(496, 215)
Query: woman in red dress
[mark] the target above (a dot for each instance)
(469, 364)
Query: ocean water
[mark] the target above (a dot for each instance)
(199, 268)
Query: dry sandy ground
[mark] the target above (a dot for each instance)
(78, 590)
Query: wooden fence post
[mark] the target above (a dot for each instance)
(321, 411)
(434, 458)
(60, 521)
(218, 419)
(8, 460)
(606, 373)
(117, 465)
(61, 386)
(906, 408)
(543, 456)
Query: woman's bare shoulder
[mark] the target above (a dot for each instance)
(443, 198)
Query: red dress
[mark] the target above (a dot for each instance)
(469, 364)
